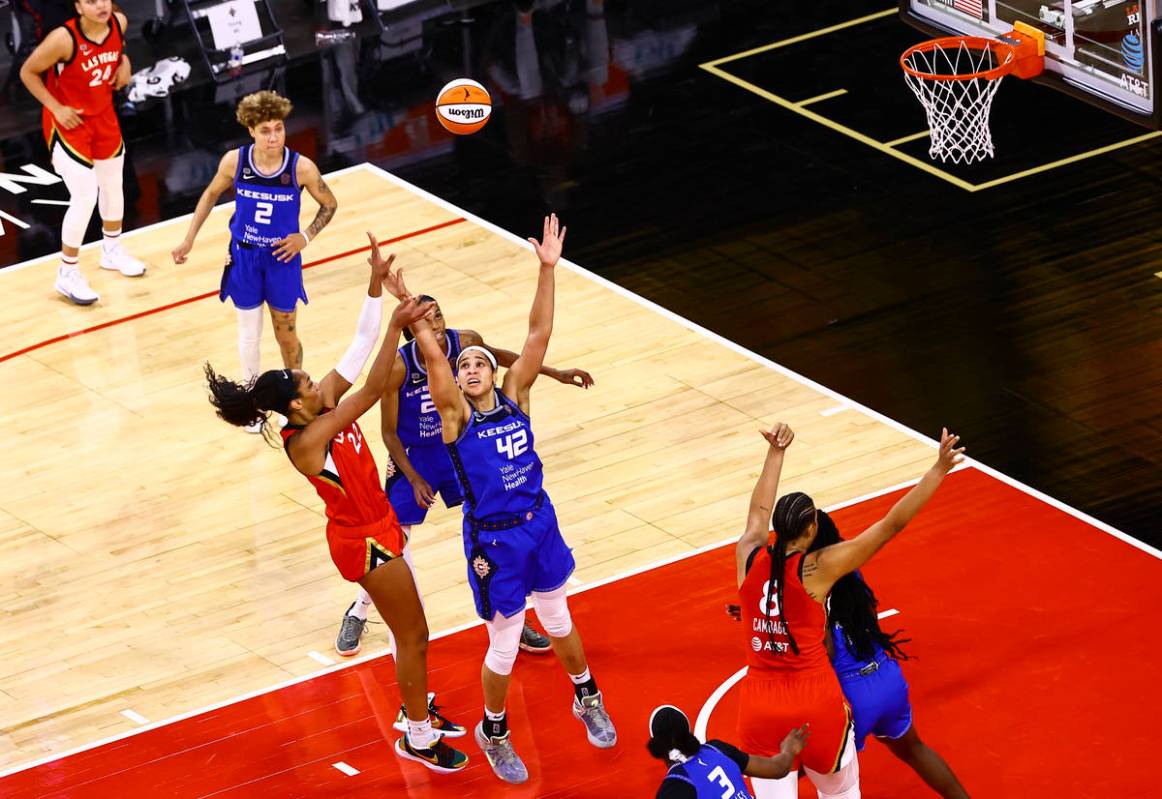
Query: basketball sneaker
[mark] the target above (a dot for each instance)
(440, 757)
(116, 259)
(440, 723)
(73, 285)
(533, 641)
(351, 629)
(501, 756)
(598, 726)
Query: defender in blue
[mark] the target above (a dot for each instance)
(512, 541)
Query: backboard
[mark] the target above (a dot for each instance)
(1101, 51)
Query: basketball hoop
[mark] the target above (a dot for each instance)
(956, 78)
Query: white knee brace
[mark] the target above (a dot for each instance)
(503, 642)
(842, 784)
(110, 197)
(250, 342)
(81, 182)
(553, 611)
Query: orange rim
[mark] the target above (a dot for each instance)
(1003, 51)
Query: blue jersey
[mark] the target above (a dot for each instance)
(714, 772)
(266, 207)
(844, 660)
(498, 468)
(418, 422)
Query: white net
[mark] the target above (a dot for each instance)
(958, 110)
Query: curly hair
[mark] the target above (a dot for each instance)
(264, 106)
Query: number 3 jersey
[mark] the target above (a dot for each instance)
(349, 482)
(266, 207)
(498, 469)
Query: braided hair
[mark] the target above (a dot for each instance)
(670, 736)
(793, 512)
(853, 605)
(246, 404)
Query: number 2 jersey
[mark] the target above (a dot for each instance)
(266, 207)
(499, 471)
(418, 422)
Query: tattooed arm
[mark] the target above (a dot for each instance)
(311, 179)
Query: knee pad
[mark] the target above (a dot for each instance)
(553, 611)
(842, 784)
(81, 182)
(110, 197)
(250, 341)
(503, 642)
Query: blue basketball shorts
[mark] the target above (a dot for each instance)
(253, 276)
(509, 559)
(434, 465)
(879, 701)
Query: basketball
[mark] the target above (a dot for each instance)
(463, 106)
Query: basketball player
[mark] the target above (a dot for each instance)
(411, 432)
(264, 265)
(84, 61)
(324, 442)
(865, 659)
(711, 770)
(511, 538)
(783, 592)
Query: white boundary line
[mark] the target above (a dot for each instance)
(350, 771)
(623, 575)
(130, 233)
(839, 398)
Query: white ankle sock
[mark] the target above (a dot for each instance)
(68, 263)
(420, 734)
(579, 679)
(111, 239)
(361, 606)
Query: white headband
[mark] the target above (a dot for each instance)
(488, 356)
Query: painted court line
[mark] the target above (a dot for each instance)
(465, 216)
(320, 658)
(821, 97)
(834, 410)
(887, 613)
(350, 771)
(134, 716)
(208, 294)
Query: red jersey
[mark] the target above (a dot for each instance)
(349, 482)
(769, 652)
(85, 81)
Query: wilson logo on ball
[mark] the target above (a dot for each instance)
(463, 106)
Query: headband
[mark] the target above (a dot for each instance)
(488, 356)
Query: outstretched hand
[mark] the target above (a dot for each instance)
(780, 436)
(381, 270)
(795, 741)
(950, 455)
(575, 377)
(409, 311)
(548, 249)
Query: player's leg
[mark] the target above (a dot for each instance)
(109, 167)
(492, 734)
(927, 763)
(553, 565)
(843, 782)
(394, 593)
(786, 788)
(287, 336)
(81, 182)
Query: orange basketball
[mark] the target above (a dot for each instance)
(463, 106)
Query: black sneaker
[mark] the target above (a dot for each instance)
(440, 757)
(440, 723)
(533, 641)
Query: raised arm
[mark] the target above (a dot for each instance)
(441, 384)
(506, 358)
(308, 449)
(339, 379)
(309, 177)
(762, 499)
(822, 568)
(222, 180)
(388, 427)
(520, 376)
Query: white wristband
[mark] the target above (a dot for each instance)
(306, 236)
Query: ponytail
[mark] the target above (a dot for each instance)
(245, 404)
(670, 737)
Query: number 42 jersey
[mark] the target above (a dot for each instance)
(498, 469)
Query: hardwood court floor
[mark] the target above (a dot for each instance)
(158, 560)
(1006, 660)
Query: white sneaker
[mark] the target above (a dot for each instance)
(73, 285)
(254, 428)
(116, 259)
